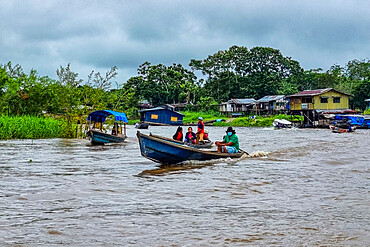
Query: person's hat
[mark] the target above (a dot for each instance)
(200, 118)
(230, 129)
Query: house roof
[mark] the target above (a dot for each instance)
(160, 109)
(242, 101)
(315, 92)
(270, 98)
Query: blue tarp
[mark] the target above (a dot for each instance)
(100, 116)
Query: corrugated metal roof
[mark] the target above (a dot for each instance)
(242, 101)
(160, 108)
(315, 92)
(270, 98)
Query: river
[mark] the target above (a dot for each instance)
(300, 187)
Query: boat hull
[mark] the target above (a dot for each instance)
(166, 152)
(99, 138)
(207, 144)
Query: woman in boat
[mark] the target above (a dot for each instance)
(178, 136)
(190, 136)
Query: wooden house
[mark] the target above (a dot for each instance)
(272, 104)
(238, 106)
(161, 116)
(310, 103)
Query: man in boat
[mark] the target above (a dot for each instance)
(200, 132)
(230, 143)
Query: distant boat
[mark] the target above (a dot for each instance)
(168, 152)
(282, 123)
(96, 133)
(142, 125)
(336, 129)
(206, 144)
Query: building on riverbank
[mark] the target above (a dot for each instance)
(238, 106)
(317, 105)
(272, 104)
(161, 116)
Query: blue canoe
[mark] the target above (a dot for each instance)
(206, 144)
(118, 134)
(167, 152)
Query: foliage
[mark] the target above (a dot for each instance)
(192, 117)
(242, 73)
(28, 127)
(160, 84)
(256, 121)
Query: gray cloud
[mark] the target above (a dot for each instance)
(98, 35)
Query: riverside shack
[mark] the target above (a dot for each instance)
(311, 104)
(161, 116)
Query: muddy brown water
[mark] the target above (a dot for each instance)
(311, 189)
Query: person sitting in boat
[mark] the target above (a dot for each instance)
(115, 129)
(205, 136)
(230, 143)
(178, 136)
(200, 132)
(190, 136)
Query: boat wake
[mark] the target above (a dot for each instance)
(197, 164)
(257, 154)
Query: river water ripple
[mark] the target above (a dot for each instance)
(312, 189)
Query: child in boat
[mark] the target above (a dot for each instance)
(205, 137)
(190, 136)
(178, 136)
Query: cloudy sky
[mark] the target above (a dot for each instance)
(96, 35)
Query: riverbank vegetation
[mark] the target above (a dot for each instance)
(29, 127)
(237, 72)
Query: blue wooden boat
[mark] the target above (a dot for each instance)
(97, 136)
(168, 152)
(206, 144)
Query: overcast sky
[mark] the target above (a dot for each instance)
(96, 35)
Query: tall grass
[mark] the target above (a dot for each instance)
(29, 127)
(255, 121)
(192, 117)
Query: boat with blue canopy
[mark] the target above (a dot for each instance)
(168, 152)
(100, 135)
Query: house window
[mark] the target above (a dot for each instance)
(307, 100)
(174, 119)
(336, 100)
(154, 116)
(324, 100)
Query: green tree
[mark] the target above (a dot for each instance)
(239, 72)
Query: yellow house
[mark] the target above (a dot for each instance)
(319, 99)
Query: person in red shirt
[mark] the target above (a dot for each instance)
(178, 136)
(200, 132)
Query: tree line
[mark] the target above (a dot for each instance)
(238, 72)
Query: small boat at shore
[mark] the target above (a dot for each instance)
(206, 144)
(336, 129)
(282, 123)
(142, 125)
(169, 152)
(98, 136)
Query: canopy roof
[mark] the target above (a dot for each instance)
(100, 116)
